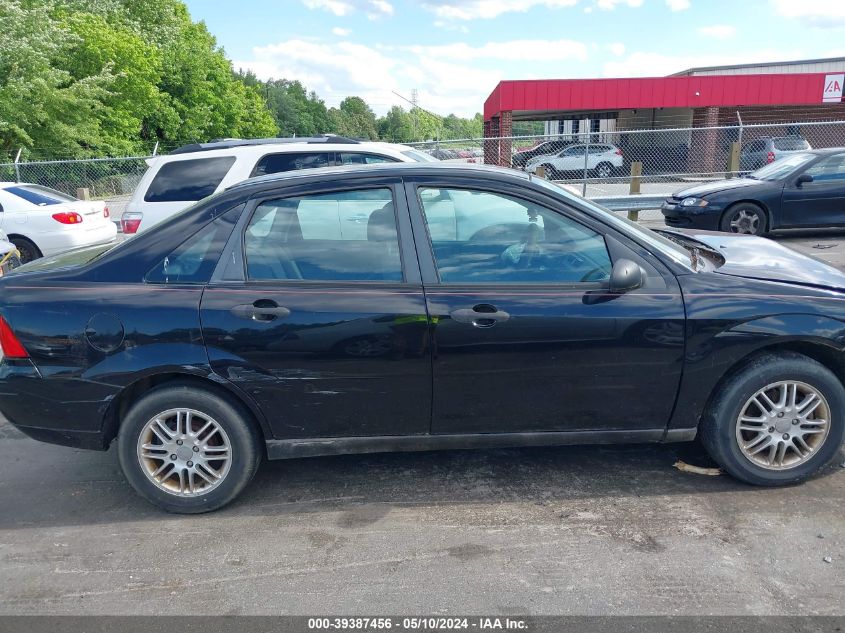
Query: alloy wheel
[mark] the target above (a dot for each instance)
(184, 452)
(783, 425)
(745, 222)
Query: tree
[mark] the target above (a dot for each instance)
(295, 111)
(42, 105)
(354, 118)
(396, 126)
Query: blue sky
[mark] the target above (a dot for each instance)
(455, 51)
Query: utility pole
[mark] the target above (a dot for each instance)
(415, 96)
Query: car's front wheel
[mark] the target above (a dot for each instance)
(745, 218)
(188, 450)
(777, 421)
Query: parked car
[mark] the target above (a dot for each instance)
(417, 307)
(177, 180)
(766, 150)
(805, 190)
(549, 148)
(602, 160)
(42, 221)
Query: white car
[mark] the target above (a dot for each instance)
(178, 179)
(41, 221)
(602, 160)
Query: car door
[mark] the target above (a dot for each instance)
(525, 336)
(571, 159)
(321, 319)
(820, 202)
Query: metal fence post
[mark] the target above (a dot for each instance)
(18, 165)
(586, 163)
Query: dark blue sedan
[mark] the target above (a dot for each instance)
(805, 190)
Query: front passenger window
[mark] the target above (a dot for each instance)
(482, 236)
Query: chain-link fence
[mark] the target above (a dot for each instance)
(654, 161)
(109, 179)
(594, 163)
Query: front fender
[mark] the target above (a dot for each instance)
(714, 348)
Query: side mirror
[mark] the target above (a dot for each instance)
(626, 276)
(802, 179)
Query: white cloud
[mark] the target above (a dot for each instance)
(610, 5)
(379, 9)
(488, 9)
(514, 50)
(341, 32)
(641, 64)
(374, 9)
(336, 70)
(617, 48)
(820, 13)
(338, 7)
(451, 26)
(678, 5)
(718, 31)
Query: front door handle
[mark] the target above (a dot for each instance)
(482, 316)
(262, 310)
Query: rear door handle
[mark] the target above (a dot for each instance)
(481, 316)
(261, 310)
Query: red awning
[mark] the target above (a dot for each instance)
(579, 95)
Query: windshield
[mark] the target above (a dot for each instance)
(781, 168)
(419, 157)
(667, 247)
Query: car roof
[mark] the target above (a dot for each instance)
(256, 150)
(228, 143)
(384, 169)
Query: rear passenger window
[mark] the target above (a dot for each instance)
(188, 180)
(277, 163)
(194, 260)
(791, 144)
(343, 236)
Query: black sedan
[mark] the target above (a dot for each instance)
(805, 190)
(413, 307)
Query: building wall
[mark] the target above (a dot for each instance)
(823, 66)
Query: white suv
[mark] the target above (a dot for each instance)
(602, 161)
(176, 180)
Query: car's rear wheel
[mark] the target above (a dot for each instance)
(777, 421)
(604, 170)
(745, 218)
(188, 450)
(551, 172)
(26, 248)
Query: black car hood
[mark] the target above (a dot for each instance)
(761, 258)
(717, 186)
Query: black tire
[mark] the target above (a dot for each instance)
(718, 424)
(749, 209)
(551, 172)
(244, 438)
(603, 170)
(26, 248)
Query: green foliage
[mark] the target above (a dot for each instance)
(82, 78)
(95, 77)
(295, 111)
